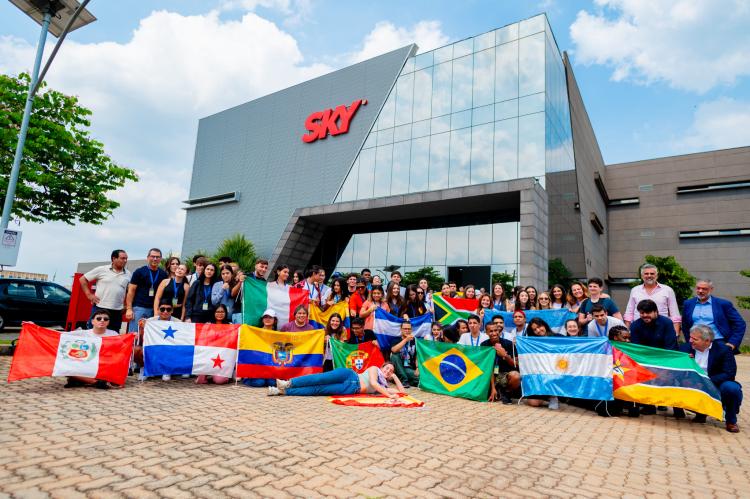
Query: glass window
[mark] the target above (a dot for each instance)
(441, 124)
(484, 41)
(396, 248)
(401, 133)
(461, 120)
(387, 115)
(346, 257)
(404, 98)
(460, 157)
(441, 89)
(531, 104)
(506, 34)
(457, 246)
(400, 175)
(371, 140)
(506, 72)
(462, 48)
(378, 249)
(422, 94)
(505, 242)
(415, 241)
(532, 25)
(383, 164)
(349, 189)
(484, 78)
(482, 115)
(506, 149)
(531, 145)
(420, 129)
(423, 60)
(385, 136)
(361, 250)
(408, 66)
(54, 293)
(366, 175)
(531, 64)
(481, 154)
(507, 109)
(435, 247)
(443, 54)
(480, 244)
(439, 151)
(461, 89)
(420, 159)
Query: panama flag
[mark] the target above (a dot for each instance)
(565, 366)
(387, 327)
(449, 310)
(258, 296)
(44, 352)
(187, 348)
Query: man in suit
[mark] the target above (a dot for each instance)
(716, 313)
(717, 360)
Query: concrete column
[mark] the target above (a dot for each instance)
(533, 239)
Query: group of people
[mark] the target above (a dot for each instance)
(712, 327)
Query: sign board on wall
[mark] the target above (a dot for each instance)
(9, 245)
(334, 121)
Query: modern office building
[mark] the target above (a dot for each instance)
(472, 158)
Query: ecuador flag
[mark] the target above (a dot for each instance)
(272, 354)
(455, 370)
(449, 310)
(663, 377)
(358, 357)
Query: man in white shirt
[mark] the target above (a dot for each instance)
(602, 323)
(111, 287)
(661, 294)
(474, 337)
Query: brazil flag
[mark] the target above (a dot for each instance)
(455, 370)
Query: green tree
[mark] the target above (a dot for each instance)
(239, 249)
(434, 278)
(744, 301)
(558, 273)
(673, 275)
(65, 174)
(507, 280)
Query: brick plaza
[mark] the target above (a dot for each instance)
(178, 439)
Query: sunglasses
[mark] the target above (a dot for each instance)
(101, 318)
(165, 309)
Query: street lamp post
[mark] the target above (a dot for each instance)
(51, 14)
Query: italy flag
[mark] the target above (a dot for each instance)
(258, 296)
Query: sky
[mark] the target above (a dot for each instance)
(657, 78)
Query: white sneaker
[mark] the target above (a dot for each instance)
(141, 377)
(272, 390)
(185, 376)
(554, 403)
(283, 384)
(166, 377)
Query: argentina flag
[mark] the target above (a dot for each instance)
(565, 367)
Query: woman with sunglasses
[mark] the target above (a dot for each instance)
(100, 322)
(544, 301)
(423, 290)
(174, 290)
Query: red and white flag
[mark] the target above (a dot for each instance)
(44, 352)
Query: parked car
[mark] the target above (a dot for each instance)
(44, 303)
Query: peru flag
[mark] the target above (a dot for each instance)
(187, 348)
(44, 352)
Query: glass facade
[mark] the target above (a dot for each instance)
(489, 244)
(489, 108)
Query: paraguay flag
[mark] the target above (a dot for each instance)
(187, 348)
(565, 367)
(387, 327)
(274, 354)
(449, 310)
(258, 296)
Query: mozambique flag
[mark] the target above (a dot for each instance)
(358, 357)
(455, 370)
(449, 310)
(272, 354)
(258, 296)
(656, 376)
(319, 319)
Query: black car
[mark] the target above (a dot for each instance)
(44, 303)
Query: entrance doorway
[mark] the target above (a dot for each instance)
(479, 276)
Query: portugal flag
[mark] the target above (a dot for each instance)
(357, 357)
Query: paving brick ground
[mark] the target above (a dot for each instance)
(177, 439)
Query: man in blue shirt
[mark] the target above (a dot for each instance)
(652, 329)
(716, 313)
(142, 290)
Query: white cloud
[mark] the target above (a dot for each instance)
(718, 124)
(692, 45)
(386, 36)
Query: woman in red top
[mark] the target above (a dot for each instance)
(375, 301)
(357, 300)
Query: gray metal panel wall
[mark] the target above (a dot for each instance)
(588, 159)
(256, 149)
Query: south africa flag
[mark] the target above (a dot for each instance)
(449, 310)
(663, 377)
(455, 370)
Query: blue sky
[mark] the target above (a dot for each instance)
(657, 79)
